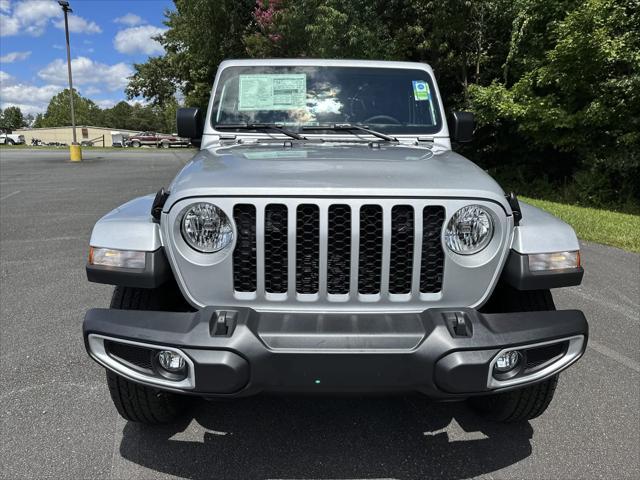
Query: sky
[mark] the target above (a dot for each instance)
(107, 38)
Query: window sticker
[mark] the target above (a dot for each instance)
(421, 90)
(272, 92)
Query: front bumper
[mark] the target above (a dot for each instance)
(444, 353)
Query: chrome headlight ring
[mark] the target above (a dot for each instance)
(205, 227)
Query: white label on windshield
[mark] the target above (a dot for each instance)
(272, 91)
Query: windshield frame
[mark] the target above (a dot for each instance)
(438, 130)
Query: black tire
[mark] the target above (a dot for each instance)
(10, 142)
(517, 405)
(524, 403)
(135, 402)
(135, 144)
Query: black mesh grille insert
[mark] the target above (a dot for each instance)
(275, 248)
(370, 258)
(432, 264)
(339, 249)
(138, 356)
(244, 255)
(307, 248)
(540, 355)
(402, 239)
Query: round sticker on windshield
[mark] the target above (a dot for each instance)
(420, 90)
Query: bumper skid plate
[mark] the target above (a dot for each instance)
(444, 353)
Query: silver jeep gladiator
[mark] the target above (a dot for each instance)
(326, 239)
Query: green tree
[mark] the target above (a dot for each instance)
(12, 118)
(58, 112)
(578, 99)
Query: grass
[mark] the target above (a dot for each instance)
(620, 230)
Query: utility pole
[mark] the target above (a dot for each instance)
(76, 154)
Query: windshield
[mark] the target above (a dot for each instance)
(389, 100)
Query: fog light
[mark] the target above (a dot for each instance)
(507, 361)
(171, 361)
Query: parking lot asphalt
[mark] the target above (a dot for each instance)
(57, 420)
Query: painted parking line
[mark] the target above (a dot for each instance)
(613, 355)
(10, 195)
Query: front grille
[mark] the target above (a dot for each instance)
(382, 242)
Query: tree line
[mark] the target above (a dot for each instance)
(123, 115)
(554, 84)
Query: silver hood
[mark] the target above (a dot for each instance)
(332, 170)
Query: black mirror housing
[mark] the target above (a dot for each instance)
(190, 123)
(461, 126)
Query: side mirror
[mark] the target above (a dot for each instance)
(190, 123)
(461, 126)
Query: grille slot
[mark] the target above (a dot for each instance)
(402, 239)
(244, 255)
(275, 248)
(307, 248)
(370, 260)
(432, 264)
(339, 250)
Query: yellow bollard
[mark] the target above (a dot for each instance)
(76, 153)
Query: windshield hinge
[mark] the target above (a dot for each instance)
(424, 140)
(158, 204)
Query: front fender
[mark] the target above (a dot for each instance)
(130, 227)
(541, 232)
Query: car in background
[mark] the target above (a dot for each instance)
(8, 138)
(156, 140)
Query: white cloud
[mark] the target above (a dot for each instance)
(138, 40)
(91, 91)
(107, 103)
(8, 25)
(88, 72)
(32, 17)
(14, 57)
(79, 25)
(130, 19)
(30, 98)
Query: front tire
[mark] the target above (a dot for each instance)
(135, 402)
(135, 144)
(528, 402)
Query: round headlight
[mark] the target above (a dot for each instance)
(469, 230)
(206, 228)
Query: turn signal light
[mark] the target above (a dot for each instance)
(554, 261)
(108, 257)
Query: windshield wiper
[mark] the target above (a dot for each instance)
(259, 126)
(349, 127)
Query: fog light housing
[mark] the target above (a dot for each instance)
(171, 361)
(507, 361)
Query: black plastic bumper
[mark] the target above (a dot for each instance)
(444, 353)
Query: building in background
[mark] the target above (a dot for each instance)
(86, 135)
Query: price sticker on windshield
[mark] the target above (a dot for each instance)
(272, 92)
(421, 90)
